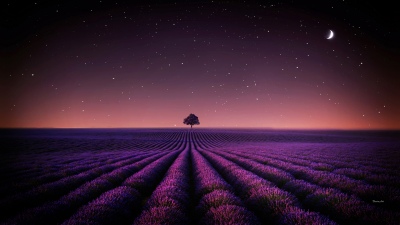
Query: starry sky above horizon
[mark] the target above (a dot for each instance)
(232, 63)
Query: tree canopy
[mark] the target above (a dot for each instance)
(191, 120)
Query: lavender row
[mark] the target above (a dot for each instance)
(75, 168)
(120, 205)
(49, 166)
(205, 176)
(69, 203)
(367, 192)
(361, 173)
(206, 140)
(347, 155)
(28, 165)
(217, 204)
(47, 169)
(276, 176)
(327, 153)
(71, 170)
(359, 210)
(54, 190)
(43, 193)
(213, 139)
(117, 206)
(169, 203)
(181, 143)
(176, 140)
(336, 205)
(270, 203)
(346, 209)
(311, 160)
(372, 166)
(166, 143)
(217, 201)
(197, 143)
(145, 180)
(368, 158)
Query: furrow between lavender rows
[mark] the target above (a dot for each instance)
(120, 205)
(169, 142)
(18, 186)
(84, 162)
(328, 155)
(212, 140)
(53, 190)
(335, 203)
(366, 192)
(38, 165)
(55, 211)
(330, 162)
(215, 200)
(267, 201)
(170, 201)
(372, 174)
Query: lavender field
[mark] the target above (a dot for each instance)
(199, 176)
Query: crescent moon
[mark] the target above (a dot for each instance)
(330, 34)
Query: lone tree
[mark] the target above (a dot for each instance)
(191, 120)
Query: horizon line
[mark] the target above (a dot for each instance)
(252, 128)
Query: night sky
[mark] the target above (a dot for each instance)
(232, 63)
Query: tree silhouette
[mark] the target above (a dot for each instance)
(191, 120)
